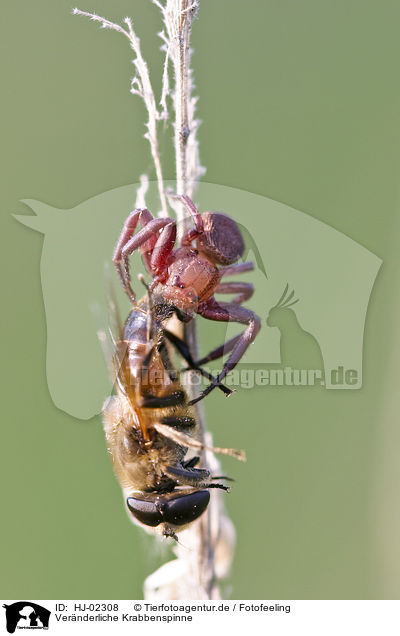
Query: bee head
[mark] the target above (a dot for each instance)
(174, 509)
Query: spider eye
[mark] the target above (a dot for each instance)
(144, 511)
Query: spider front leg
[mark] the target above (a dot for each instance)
(230, 312)
(142, 216)
(150, 244)
(244, 291)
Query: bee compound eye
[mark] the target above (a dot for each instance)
(144, 511)
(183, 509)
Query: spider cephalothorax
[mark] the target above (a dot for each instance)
(185, 278)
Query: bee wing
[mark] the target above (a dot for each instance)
(116, 325)
(120, 366)
(110, 329)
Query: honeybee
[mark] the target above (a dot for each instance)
(150, 425)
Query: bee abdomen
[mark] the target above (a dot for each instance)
(176, 398)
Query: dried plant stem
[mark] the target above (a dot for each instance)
(205, 550)
(178, 17)
(140, 85)
(200, 541)
(182, 130)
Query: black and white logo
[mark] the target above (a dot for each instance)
(26, 615)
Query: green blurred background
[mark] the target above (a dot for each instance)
(300, 102)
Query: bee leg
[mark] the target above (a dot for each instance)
(179, 421)
(191, 463)
(220, 486)
(223, 477)
(187, 477)
(183, 350)
(182, 439)
(192, 477)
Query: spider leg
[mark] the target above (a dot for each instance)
(230, 312)
(127, 247)
(143, 216)
(220, 351)
(243, 290)
(238, 268)
(183, 350)
(196, 216)
(163, 248)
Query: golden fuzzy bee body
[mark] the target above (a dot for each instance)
(149, 426)
(139, 467)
